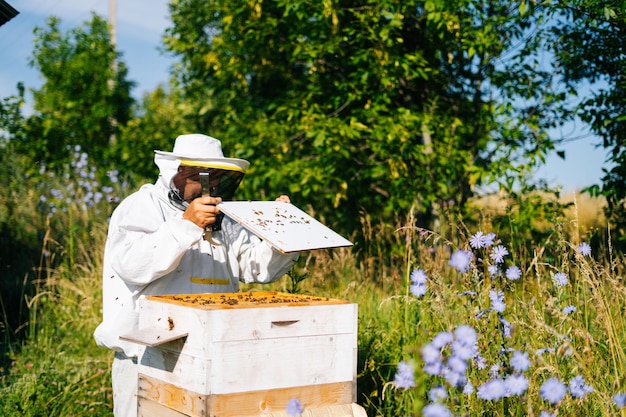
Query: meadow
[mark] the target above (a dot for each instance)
(479, 317)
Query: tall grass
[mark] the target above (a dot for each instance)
(59, 371)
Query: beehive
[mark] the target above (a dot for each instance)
(244, 354)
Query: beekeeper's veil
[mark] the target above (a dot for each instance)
(205, 152)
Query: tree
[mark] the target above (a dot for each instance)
(369, 105)
(590, 47)
(81, 96)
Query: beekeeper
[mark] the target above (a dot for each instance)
(170, 238)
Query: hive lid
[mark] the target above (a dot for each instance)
(250, 299)
(283, 225)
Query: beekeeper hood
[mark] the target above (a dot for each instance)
(203, 152)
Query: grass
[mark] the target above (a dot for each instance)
(58, 370)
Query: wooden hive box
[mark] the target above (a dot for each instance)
(244, 354)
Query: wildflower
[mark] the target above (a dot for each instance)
(561, 279)
(431, 353)
(418, 283)
(489, 239)
(620, 399)
(506, 327)
(544, 350)
(457, 364)
(578, 388)
(569, 310)
(418, 290)
(498, 253)
(465, 334)
(513, 273)
(493, 270)
(405, 378)
(437, 393)
(436, 410)
(516, 385)
(492, 390)
(519, 361)
(418, 276)
(584, 249)
(468, 388)
(478, 241)
(497, 300)
(553, 391)
(294, 408)
(545, 413)
(442, 339)
(461, 259)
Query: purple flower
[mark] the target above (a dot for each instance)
(553, 390)
(418, 290)
(294, 408)
(584, 249)
(418, 276)
(442, 339)
(497, 300)
(478, 241)
(620, 399)
(405, 377)
(437, 393)
(498, 253)
(431, 353)
(494, 389)
(436, 410)
(578, 388)
(461, 259)
(561, 279)
(545, 413)
(516, 385)
(465, 334)
(519, 361)
(569, 310)
(513, 273)
(506, 327)
(493, 270)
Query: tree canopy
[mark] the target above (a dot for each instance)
(370, 105)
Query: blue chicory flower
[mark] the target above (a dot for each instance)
(520, 361)
(461, 260)
(498, 253)
(493, 389)
(620, 399)
(584, 249)
(553, 390)
(437, 393)
(436, 410)
(516, 385)
(405, 377)
(561, 279)
(578, 388)
(569, 310)
(513, 273)
(497, 300)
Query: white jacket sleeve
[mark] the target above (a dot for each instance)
(146, 243)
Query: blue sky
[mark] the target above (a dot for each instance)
(140, 25)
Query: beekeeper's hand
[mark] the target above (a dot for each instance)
(202, 211)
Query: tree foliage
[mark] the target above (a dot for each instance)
(591, 48)
(83, 98)
(369, 105)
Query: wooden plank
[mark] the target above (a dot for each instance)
(242, 366)
(192, 404)
(149, 408)
(184, 401)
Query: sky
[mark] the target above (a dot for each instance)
(140, 26)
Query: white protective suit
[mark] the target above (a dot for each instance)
(151, 249)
